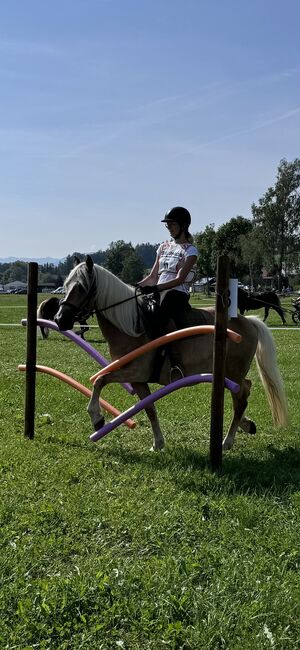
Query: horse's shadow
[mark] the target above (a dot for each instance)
(275, 473)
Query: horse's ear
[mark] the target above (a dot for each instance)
(76, 261)
(89, 263)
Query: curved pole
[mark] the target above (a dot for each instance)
(82, 389)
(167, 338)
(87, 347)
(161, 392)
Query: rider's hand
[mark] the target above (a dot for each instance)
(148, 288)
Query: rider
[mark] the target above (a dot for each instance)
(173, 270)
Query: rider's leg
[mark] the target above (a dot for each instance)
(175, 306)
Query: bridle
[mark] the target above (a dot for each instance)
(85, 311)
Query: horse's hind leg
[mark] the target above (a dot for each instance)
(240, 401)
(143, 391)
(267, 309)
(280, 312)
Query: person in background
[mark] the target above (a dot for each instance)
(172, 273)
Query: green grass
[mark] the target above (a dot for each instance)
(111, 546)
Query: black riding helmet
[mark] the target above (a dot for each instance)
(179, 215)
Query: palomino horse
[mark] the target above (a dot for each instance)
(91, 287)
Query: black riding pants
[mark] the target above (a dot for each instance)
(174, 306)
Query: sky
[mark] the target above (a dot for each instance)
(114, 111)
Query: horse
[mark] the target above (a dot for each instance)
(47, 310)
(116, 305)
(268, 300)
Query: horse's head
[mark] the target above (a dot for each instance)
(79, 299)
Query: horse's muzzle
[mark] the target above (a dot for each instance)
(65, 317)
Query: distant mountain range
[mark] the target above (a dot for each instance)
(40, 260)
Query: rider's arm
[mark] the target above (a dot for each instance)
(152, 278)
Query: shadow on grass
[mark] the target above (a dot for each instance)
(277, 472)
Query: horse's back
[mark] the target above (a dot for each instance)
(200, 316)
(197, 351)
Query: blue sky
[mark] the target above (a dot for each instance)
(113, 111)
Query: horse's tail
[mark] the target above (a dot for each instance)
(266, 362)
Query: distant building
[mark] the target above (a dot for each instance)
(13, 286)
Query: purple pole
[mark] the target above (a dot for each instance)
(87, 347)
(161, 392)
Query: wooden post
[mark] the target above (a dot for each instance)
(219, 358)
(32, 282)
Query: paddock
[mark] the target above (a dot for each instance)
(110, 543)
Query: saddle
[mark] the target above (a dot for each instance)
(150, 308)
(172, 350)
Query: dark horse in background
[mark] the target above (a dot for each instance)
(267, 299)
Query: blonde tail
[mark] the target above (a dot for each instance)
(266, 362)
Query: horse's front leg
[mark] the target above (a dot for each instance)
(93, 408)
(240, 401)
(142, 391)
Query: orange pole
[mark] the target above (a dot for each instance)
(152, 345)
(82, 389)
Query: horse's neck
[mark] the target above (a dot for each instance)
(111, 290)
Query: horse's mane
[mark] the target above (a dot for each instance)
(110, 290)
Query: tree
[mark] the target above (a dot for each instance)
(278, 215)
(116, 256)
(133, 268)
(227, 242)
(16, 271)
(99, 257)
(204, 242)
(147, 253)
(252, 252)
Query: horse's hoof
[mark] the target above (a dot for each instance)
(99, 424)
(153, 448)
(226, 446)
(252, 428)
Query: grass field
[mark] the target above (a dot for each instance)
(110, 546)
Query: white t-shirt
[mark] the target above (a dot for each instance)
(171, 257)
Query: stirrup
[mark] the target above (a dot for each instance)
(177, 372)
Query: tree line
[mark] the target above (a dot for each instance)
(269, 240)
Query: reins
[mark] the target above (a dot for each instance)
(120, 302)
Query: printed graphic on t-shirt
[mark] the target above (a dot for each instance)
(172, 258)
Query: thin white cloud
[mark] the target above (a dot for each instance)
(255, 127)
(23, 48)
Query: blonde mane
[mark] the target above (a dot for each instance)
(110, 290)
